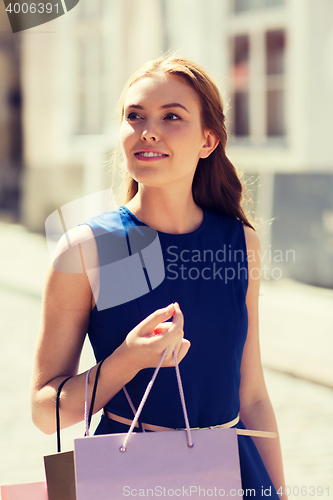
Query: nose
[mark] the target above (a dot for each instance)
(149, 135)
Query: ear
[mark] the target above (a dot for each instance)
(210, 144)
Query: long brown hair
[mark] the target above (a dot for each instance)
(216, 184)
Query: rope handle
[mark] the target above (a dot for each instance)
(88, 416)
(86, 411)
(145, 396)
(128, 397)
(58, 412)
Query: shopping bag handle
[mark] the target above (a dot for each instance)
(88, 415)
(145, 396)
(58, 412)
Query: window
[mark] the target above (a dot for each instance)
(91, 71)
(275, 69)
(275, 45)
(241, 113)
(257, 76)
(275, 115)
(240, 80)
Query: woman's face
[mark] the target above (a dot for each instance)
(161, 133)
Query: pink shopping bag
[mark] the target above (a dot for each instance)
(195, 463)
(158, 464)
(27, 491)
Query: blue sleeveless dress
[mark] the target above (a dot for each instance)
(206, 273)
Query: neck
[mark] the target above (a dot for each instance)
(169, 212)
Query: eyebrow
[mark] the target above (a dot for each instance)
(165, 106)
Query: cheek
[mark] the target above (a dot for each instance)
(188, 142)
(126, 135)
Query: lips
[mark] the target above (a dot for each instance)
(148, 153)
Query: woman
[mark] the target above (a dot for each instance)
(181, 184)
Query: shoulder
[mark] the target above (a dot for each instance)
(75, 251)
(235, 230)
(254, 262)
(74, 237)
(252, 249)
(223, 222)
(78, 234)
(252, 239)
(106, 222)
(81, 241)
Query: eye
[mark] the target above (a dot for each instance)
(132, 116)
(172, 117)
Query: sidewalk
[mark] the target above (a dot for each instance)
(296, 320)
(24, 259)
(296, 330)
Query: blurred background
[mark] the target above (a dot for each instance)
(59, 86)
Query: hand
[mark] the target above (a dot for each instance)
(147, 341)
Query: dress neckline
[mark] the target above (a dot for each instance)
(127, 213)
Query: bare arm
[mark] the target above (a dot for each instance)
(67, 303)
(256, 410)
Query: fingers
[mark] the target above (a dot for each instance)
(176, 324)
(176, 330)
(149, 324)
(184, 347)
(147, 341)
(178, 318)
(173, 337)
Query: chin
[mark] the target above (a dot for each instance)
(149, 178)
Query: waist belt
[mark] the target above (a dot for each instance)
(227, 425)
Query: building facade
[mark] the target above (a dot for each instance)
(10, 119)
(281, 93)
(273, 61)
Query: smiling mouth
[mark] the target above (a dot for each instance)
(149, 154)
